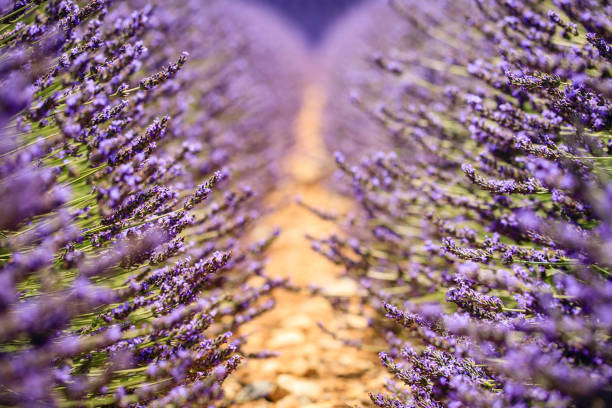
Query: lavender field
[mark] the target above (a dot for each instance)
(324, 204)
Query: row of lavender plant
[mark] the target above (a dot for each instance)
(130, 135)
(483, 240)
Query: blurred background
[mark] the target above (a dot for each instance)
(312, 17)
(326, 44)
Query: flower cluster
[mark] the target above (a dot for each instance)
(484, 238)
(129, 137)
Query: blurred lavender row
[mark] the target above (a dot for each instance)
(137, 138)
(483, 238)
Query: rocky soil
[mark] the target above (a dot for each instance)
(313, 369)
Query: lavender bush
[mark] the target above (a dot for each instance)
(483, 243)
(130, 133)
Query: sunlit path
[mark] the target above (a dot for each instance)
(313, 369)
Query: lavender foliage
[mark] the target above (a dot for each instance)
(483, 239)
(130, 139)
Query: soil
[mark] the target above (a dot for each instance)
(313, 369)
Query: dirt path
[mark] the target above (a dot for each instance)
(313, 370)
